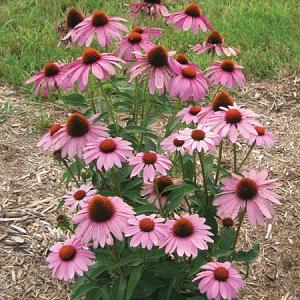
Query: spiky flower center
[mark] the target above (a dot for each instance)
(183, 227)
(79, 195)
(74, 17)
(233, 116)
(149, 158)
(214, 38)
(67, 252)
(182, 59)
(158, 57)
(90, 56)
(222, 100)
(246, 189)
(51, 69)
(134, 37)
(221, 274)
(227, 65)
(100, 208)
(138, 30)
(153, 1)
(163, 182)
(198, 135)
(99, 18)
(146, 225)
(260, 130)
(178, 143)
(77, 125)
(227, 222)
(54, 128)
(108, 146)
(193, 10)
(189, 73)
(194, 110)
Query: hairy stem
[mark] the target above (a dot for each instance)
(219, 162)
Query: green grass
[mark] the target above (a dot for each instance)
(267, 32)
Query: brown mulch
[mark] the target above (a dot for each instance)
(30, 189)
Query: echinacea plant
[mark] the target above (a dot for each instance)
(151, 211)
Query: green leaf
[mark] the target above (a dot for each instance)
(74, 100)
(133, 281)
(82, 290)
(119, 288)
(227, 236)
(247, 256)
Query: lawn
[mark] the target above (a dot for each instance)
(266, 31)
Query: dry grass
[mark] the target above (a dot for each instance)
(30, 188)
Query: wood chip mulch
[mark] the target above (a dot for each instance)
(29, 189)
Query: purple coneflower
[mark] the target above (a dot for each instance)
(226, 73)
(69, 258)
(153, 8)
(100, 64)
(157, 64)
(107, 152)
(149, 163)
(252, 191)
(173, 144)
(106, 29)
(191, 17)
(215, 43)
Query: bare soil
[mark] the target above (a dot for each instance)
(30, 189)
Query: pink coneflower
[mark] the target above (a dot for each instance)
(47, 139)
(186, 235)
(76, 133)
(153, 8)
(105, 27)
(189, 85)
(147, 231)
(219, 280)
(132, 44)
(191, 17)
(215, 43)
(190, 114)
(69, 258)
(148, 33)
(251, 191)
(49, 79)
(233, 120)
(183, 60)
(74, 17)
(172, 144)
(162, 182)
(226, 73)
(77, 196)
(108, 152)
(200, 138)
(157, 65)
(100, 64)
(148, 163)
(264, 138)
(101, 218)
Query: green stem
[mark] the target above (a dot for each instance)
(143, 117)
(110, 107)
(239, 227)
(158, 198)
(70, 171)
(103, 178)
(201, 158)
(234, 158)
(93, 281)
(247, 155)
(216, 92)
(92, 100)
(135, 103)
(182, 168)
(195, 170)
(115, 180)
(219, 162)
